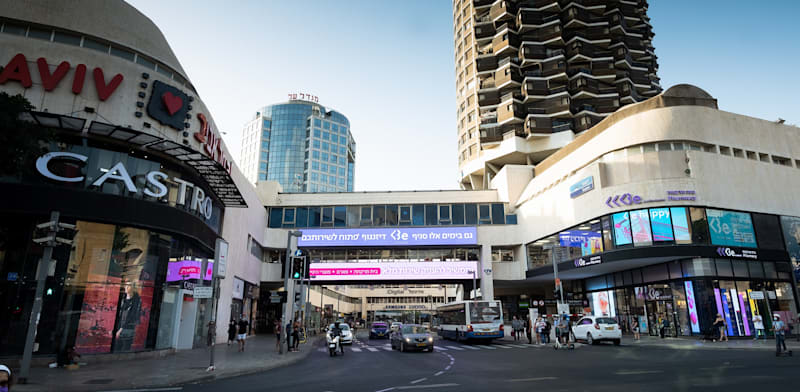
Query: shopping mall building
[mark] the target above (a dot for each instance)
(119, 142)
(669, 208)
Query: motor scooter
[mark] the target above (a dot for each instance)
(333, 344)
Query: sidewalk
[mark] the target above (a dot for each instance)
(180, 368)
(691, 343)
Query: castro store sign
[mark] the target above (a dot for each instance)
(154, 185)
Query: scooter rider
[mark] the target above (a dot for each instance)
(337, 331)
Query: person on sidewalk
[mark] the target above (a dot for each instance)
(515, 328)
(231, 332)
(243, 324)
(779, 327)
(664, 326)
(6, 382)
(540, 330)
(758, 324)
(548, 326)
(529, 329)
(296, 336)
(277, 330)
(635, 329)
(719, 323)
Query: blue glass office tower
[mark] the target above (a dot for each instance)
(302, 145)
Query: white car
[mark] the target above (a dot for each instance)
(347, 334)
(396, 326)
(594, 329)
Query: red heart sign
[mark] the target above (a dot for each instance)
(172, 103)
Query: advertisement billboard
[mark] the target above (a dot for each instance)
(791, 235)
(692, 306)
(183, 270)
(662, 224)
(731, 228)
(590, 242)
(393, 271)
(622, 229)
(389, 237)
(640, 227)
(680, 225)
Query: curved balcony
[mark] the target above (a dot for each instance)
(578, 18)
(486, 63)
(507, 75)
(580, 50)
(532, 53)
(527, 20)
(542, 88)
(502, 10)
(510, 112)
(488, 98)
(484, 31)
(503, 43)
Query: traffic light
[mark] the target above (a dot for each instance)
(297, 267)
(297, 297)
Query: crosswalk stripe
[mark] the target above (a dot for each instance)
(358, 350)
(440, 348)
(470, 348)
(387, 348)
(519, 345)
(487, 347)
(502, 346)
(372, 349)
(455, 348)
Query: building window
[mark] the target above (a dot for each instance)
(502, 254)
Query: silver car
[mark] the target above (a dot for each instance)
(412, 337)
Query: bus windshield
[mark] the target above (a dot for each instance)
(484, 312)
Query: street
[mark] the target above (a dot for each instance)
(370, 365)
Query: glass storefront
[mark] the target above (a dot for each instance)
(688, 294)
(108, 292)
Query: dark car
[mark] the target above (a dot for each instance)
(412, 337)
(379, 330)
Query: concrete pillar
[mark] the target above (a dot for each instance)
(364, 307)
(485, 273)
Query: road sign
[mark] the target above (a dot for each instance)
(757, 294)
(203, 291)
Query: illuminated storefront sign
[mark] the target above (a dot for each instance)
(461, 270)
(17, 70)
(212, 143)
(389, 237)
(154, 181)
(581, 187)
(184, 270)
(587, 261)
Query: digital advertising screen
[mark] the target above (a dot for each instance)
(389, 236)
(603, 304)
(393, 271)
(791, 235)
(622, 229)
(590, 242)
(680, 225)
(731, 228)
(640, 227)
(662, 224)
(183, 270)
(692, 306)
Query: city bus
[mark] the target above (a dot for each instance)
(470, 320)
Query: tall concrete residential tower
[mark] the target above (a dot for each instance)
(302, 145)
(532, 74)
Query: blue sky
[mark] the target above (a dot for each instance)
(388, 66)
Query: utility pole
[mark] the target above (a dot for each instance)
(219, 270)
(49, 241)
(289, 307)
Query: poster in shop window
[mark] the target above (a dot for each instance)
(662, 224)
(731, 228)
(622, 229)
(791, 235)
(680, 225)
(640, 227)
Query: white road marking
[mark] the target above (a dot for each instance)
(455, 348)
(470, 348)
(373, 349)
(147, 390)
(532, 379)
(440, 348)
(357, 350)
(520, 345)
(428, 386)
(487, 347)
(387, 348)
(418, 381)
(502, 346)
(633, 372)
(385, 390)
(447, 368)
(439, 373)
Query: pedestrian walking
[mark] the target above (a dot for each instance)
(547, 328)
(231, 332)
(528, 329)
(296, 336)
(243, 325)
(719, 324)
(277, 329)
(289, 336)
(635, 328)
(6, 382)
(758, 324)
(779, 327)
(515, 328)
(540, 329)
(661, 326)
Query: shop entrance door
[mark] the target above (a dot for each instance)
(657, 310)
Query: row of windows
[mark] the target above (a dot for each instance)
(326, 157)
(325, 135)
(316, 165)
(326, 125)
(76, 39)
(391, 215)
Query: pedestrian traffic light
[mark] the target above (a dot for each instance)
(297, 267)
(297, 297)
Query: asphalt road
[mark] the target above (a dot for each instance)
(369, 365)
